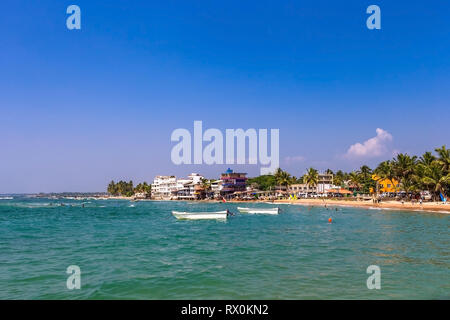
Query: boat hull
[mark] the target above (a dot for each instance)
(259, 211)
(220, 215)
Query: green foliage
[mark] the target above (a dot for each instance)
(123, 188)
(428, 172)
(143, 188)
(339, 178)
(311, 178)
(264, 182)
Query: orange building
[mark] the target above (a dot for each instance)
(386, 185)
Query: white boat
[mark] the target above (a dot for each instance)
(259, 210)
(220, 215)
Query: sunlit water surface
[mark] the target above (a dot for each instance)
(138, 250)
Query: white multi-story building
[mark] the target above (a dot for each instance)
(216, 187)
(169, 187)
(163, 187)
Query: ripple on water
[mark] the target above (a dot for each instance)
(143, 252)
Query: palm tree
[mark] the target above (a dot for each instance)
(278, 173)
(365, 172)
(427, 158)
(444, 159)
(435, 180)
(339, 178)
(285, 179)
(403, 166)
(409, 185)
(112, 188)
(205, 184)
(311, 178)
(143, 188)
(203, 189)
(385, 171)
(355, 180)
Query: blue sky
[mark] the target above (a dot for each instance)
(81, 107)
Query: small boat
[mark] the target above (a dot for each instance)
(259, 210)
(220, 215)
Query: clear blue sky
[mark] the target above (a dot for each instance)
(79, 108)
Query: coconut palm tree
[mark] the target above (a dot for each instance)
(311, 178)
(444, 159)
(143, 188)
(365, 172)
(282, 178)
(409, 185)
(435, 179)
(112, 188)
(385, 171)
(339, 178)
(278, 173)
(427, 158)
(285, 179)
(205, 184)
(355, 180)
(403, 166)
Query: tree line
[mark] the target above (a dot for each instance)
(123, 188)
(430, 172)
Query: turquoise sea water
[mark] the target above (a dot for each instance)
(139, 250)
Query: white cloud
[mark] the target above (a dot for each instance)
(373, 147)
(294, 159)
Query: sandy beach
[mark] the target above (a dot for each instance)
(394, 205)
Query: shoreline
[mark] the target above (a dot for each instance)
(434, 207)
(389, 205)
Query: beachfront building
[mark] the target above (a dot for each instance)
(325, 182)
(216, 188)
(386, 185)
(338, 192)
(163, 187)
(232, 182)
(189, 188)
(169, 187)
(301, 189)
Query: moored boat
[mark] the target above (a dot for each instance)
(259, 210)
(218, 215)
